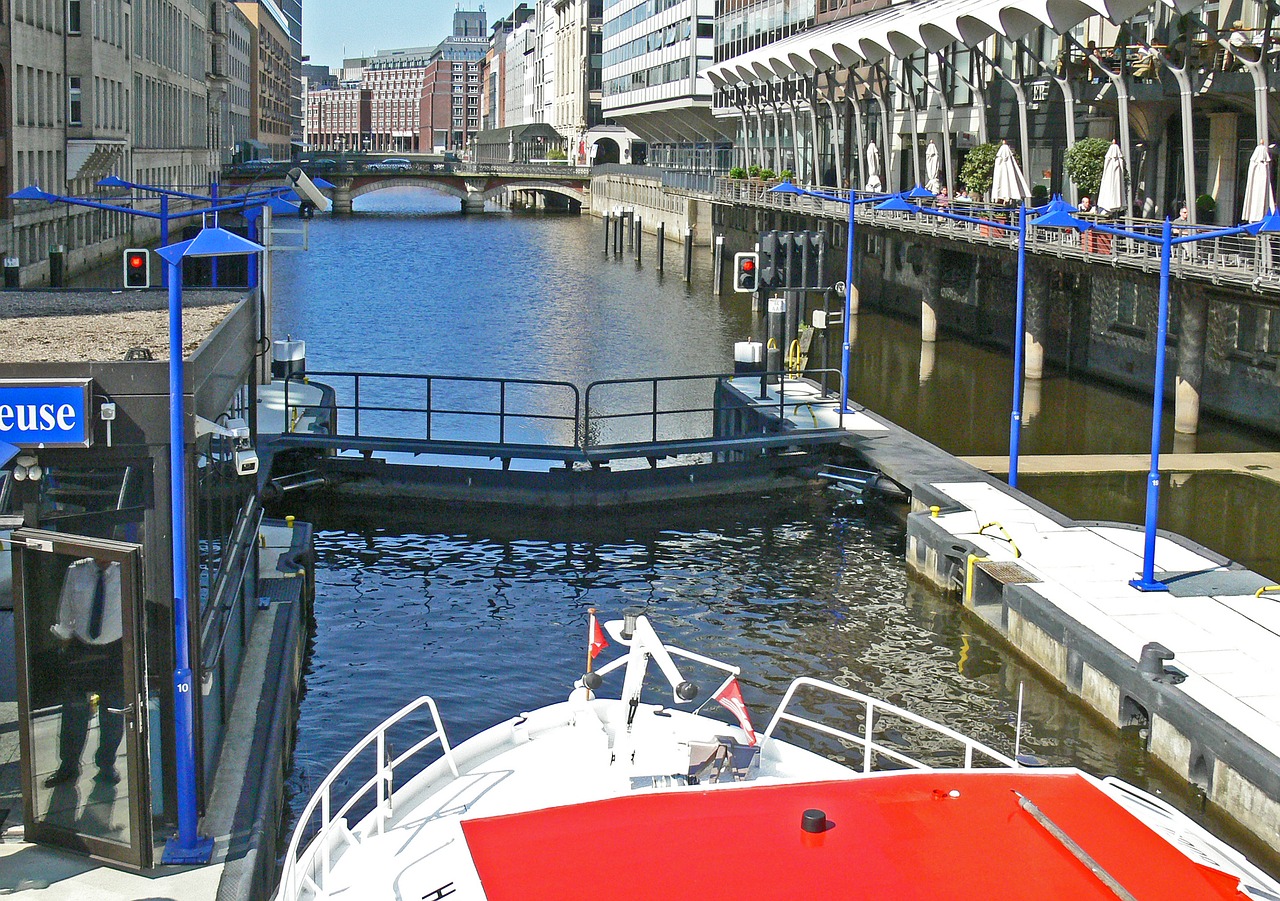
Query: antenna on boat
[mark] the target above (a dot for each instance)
(1017, 731)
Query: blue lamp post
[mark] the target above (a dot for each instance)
(1146, 581)
(188, 846)
(852, 200)
(901, 204)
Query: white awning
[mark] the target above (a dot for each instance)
(906, 28)
(92, 159)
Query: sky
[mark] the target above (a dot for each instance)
(336, 29)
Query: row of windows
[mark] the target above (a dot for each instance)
(638, 13)
(166, 115)
(648, 78)
(37, 97)
(746, 29)
(165, 36)
(663, 37)
(43, 14)
(110, 100)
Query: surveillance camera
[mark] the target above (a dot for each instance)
(239, 431)
(298, 180)
(246, 462)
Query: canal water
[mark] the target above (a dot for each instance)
(487, 613)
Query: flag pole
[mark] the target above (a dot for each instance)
(591, 634)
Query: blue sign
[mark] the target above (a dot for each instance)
(45, 414)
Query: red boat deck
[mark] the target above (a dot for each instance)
(895, 836)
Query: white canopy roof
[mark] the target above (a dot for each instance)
(904, 28)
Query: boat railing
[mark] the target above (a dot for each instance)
(297, 872)
(873, 708)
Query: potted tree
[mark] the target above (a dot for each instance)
(1206, 206)
(976, 172)
(1083, 164)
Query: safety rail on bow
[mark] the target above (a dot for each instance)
(300, 871)
(866, 742)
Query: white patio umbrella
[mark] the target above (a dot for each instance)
(931, 168)
(1008, 184)
(1111, 194)
(873, 168)
(1259, 199)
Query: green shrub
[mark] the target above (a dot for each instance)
(753, 171)
(1039, 195)
(979, 164)
(557, 154)
(787, 175)
(1206, 206)
(767, 175)
(737, 172)
(1083, 163)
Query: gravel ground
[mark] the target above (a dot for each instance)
(58, 327)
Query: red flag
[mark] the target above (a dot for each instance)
(597, 641)
(730, 697)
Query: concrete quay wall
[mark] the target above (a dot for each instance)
(654, 204)
(1235, 766)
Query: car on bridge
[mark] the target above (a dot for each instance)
(391, 165)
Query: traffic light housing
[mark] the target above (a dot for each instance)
(746, 272)
(137, 268)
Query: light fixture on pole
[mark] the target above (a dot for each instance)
(188, 846)
(1269, 224)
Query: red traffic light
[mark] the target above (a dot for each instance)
(748, 265)
(137, 268)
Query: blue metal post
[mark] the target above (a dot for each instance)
(164, 235)
(187, 846)
(213, 261)
(1019, 340)
(253, 261)
(848, 311)
(1147, 581)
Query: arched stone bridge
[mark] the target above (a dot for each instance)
(473, 184)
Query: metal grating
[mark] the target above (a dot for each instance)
(1006, 572)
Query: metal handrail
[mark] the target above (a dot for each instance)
(654, 413)
(1245, 260)
(293, 878)
(502, 414)
(870, 747)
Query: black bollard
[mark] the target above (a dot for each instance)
(688, 255)
(662, 243)
(639, 238)
(606, 234)
(631, 229)
(58, 266)
(617, 235)
(12, 273)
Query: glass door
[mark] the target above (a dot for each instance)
(81, 714)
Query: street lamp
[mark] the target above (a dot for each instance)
(1270, 224)
(188, 846)
(852, 200)
(899, 203)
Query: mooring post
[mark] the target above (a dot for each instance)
(662, 243)
(688, 255)
(631, 228)
(606, 232)
(717, 265)
(639, 237)
(617, 234)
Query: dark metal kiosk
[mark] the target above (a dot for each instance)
(85, 505)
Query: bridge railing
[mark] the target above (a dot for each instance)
(474, 410)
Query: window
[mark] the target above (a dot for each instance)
(73, 16)
(74, 100)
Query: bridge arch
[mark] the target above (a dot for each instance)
(440, 187)
(582, 197)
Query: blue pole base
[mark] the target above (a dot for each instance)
(175, 853)
(1148, 585)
